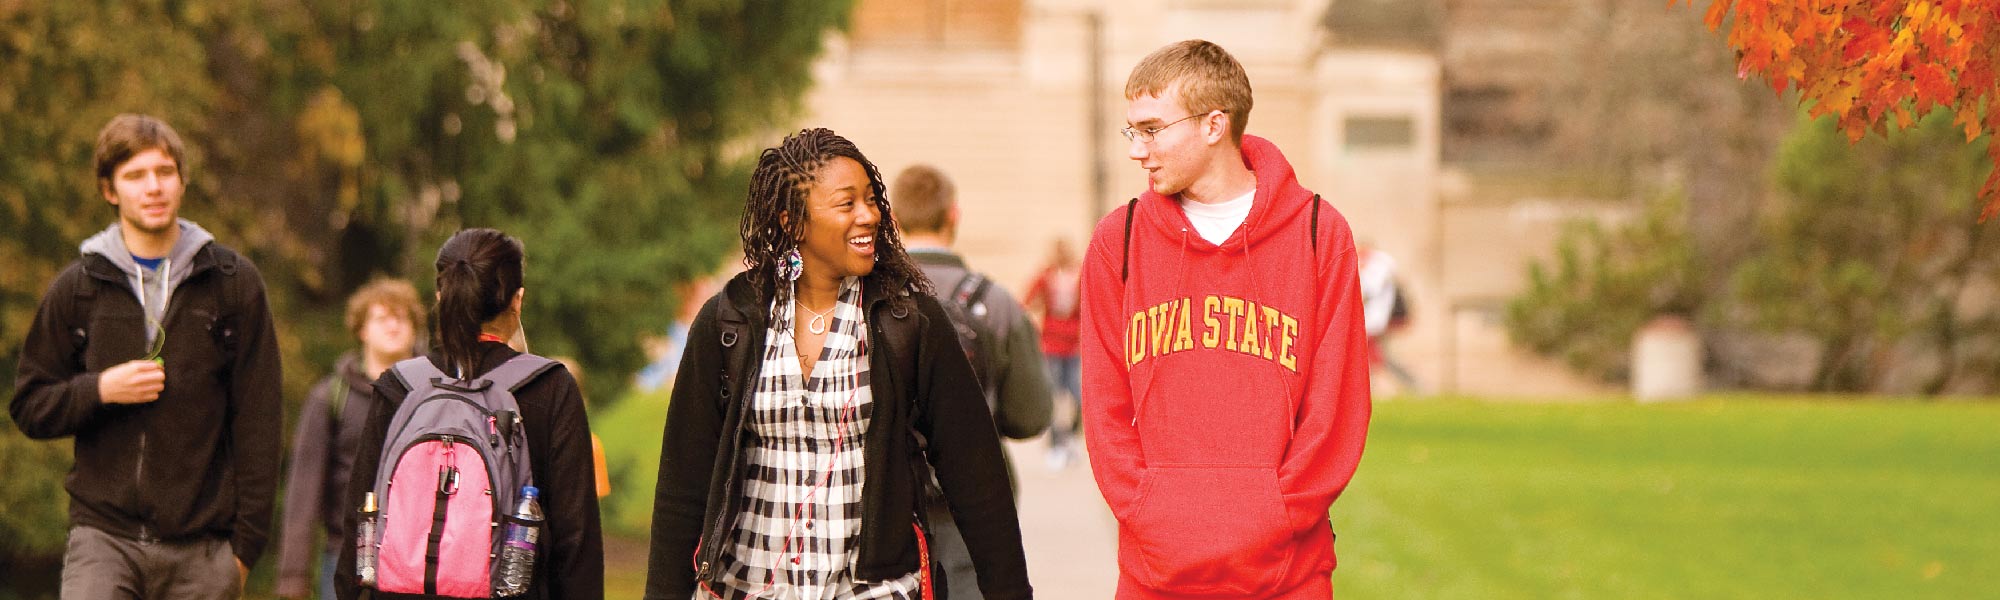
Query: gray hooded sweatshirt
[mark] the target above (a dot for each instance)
(153, 288)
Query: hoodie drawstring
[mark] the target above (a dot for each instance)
(1257, 283)
(1180, 287)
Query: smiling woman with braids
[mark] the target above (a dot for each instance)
(812, 388)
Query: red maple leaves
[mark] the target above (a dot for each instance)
(1870, 62)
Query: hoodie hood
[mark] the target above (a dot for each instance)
(1279, 200)
(110, 244)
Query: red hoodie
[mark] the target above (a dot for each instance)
(1226, 391)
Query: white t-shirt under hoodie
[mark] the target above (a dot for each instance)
(1215, 222)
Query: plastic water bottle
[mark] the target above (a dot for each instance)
(517, 553)
(365, 541)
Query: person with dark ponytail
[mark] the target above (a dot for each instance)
(479, 296)
(816, 393)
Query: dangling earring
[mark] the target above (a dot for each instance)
(791, 266)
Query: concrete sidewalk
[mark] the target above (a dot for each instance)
(1066, 529)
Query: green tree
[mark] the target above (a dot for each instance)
(59, 84)
(1874, 254)
(1868, 251)
(600, 133)
(333, 140)
(1603, 284)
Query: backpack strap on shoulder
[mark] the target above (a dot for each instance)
(229, 306)
(1314, 234)
(518, 371)
(83, 301)
(416, 371)
(971, 290)
(226, 263)
(1125, 263)
(336, 402)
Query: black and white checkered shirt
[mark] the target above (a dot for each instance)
(797, 536)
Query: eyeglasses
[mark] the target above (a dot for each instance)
(1146, 135)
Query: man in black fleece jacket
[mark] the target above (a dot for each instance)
(155, 350)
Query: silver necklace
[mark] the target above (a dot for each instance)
(818, 323)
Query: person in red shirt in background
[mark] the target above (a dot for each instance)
(1225, 364)
(1055, 295)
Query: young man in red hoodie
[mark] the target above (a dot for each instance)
(1225, 364)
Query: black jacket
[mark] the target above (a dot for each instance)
(923, 387)
(570, 560)
(330, 425)
(202, 460)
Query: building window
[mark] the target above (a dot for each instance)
(938, 24)
(1378, 133)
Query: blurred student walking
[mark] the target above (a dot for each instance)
(993, 328)
(384, 316)
(1057, 291)
(1385, 311)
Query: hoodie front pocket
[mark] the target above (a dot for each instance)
(1212, 530)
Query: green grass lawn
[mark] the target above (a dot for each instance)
(631, 431)
(1741, 499)
(1744, 498)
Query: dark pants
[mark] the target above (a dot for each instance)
(99, 565)
(1065, 374)
(952, 557)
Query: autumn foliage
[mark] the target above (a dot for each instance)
(1873, 62)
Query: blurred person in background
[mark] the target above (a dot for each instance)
(999, 340)
(603, 471)
(1385, 311)
(384, 316)
(1056, 292)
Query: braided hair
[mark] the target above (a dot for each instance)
(779, 186)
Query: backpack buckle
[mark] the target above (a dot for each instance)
(447, 480)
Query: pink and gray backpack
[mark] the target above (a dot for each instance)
(453, 463)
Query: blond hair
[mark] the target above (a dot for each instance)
(394, 294)
(1204, 74)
